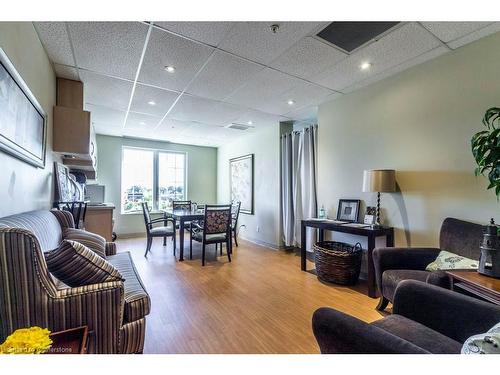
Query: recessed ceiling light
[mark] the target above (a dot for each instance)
(291, 102)
(142, 123)
(169, 69)
(249, 122)
(152, 102)
(366, 65)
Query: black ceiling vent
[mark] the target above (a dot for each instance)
(351, 35)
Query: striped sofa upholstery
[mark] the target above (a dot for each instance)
(114, 312)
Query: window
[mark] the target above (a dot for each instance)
(152, 176)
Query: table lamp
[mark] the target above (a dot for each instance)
(379, 181)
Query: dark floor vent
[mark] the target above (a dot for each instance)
(351, 35)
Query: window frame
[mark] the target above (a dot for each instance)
(156, 176)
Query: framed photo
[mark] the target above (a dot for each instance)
(23, 122)
(241, 182)
(348, 210)
(371, 212)
(63, 188)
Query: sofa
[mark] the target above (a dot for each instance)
(394, 264)
(30, 295)
(426, 319)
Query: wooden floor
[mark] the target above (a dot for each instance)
(260, 303)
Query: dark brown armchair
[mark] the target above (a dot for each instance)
(392, 264)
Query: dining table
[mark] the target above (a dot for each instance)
(183, 216)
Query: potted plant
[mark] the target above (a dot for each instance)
(486, 149)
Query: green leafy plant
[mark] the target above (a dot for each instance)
(486, 149)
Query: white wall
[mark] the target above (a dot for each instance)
(201, 178)
(264, 144)
(420, 123)
(22, 186)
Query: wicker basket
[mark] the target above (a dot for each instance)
(338, 262)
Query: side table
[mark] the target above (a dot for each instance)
(473, 283)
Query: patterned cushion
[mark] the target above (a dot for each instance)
(484, 343)
(91, 240)
(76, 265)
(137, 302)
(65, 218)
(217, 221)
(450, 261)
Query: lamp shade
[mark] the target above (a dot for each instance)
(379, 180)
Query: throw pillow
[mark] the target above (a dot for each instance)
(93, 241)
(484, 343)
(75, 265)
(450, 261)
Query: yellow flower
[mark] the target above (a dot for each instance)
(33, 340)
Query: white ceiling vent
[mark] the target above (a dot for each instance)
(236, 126)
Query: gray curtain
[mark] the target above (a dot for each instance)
(298, 183)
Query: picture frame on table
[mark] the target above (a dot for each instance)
(23, 122)
(348, 210)
(370, 215)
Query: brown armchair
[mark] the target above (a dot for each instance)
(392, 264)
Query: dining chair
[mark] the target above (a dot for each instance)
(183, 205)
(159, 231)
(216, 229)
(235, 213)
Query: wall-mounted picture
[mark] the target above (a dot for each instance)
(22, 120)
(348, 210)
(241, 182)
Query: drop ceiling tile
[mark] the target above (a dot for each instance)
(264, 86)
(190, 108)
(400, 45)
(259, 119)
(207, 32)
(112, 48)
(54, 38)
(305, 113)
(165, 49)
(475, 35)
(200, 130)
(163, 100)
(106, 130)
(173, 125)
(448, 31)
(255, 40)
(106, 91)
(436, 52)
(302, 94)
(222, 75)
(308, 57)
(67, 72)
(104, 117)
(143, 122)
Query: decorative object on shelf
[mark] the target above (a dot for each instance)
(338, 262)
(486, 150)
(63, 183)
(23, 122)
(33, 340)
(241, 182)
(379, 181)
(322, 212)
(348, 210)
(489, 261)
(370, 214)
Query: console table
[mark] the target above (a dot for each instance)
(484, 287)
(370, 233)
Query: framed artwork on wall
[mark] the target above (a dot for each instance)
(23, 122)
(241, 182)
(348, 210)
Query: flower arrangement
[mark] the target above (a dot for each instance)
(33, 340)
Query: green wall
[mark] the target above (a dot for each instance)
(201, 172)
(22, 186)
(420, 123)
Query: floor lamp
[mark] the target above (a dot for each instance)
(379, 181)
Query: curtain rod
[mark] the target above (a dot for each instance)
(298, 131)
